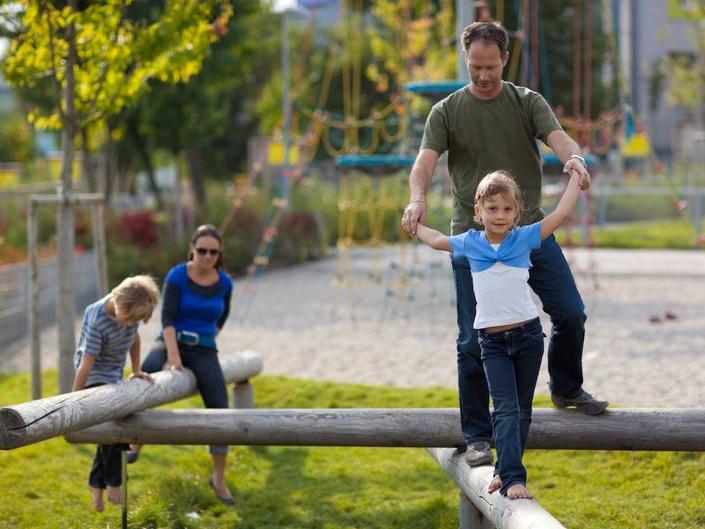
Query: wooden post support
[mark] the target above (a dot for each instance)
(65, 308)
(500, 511)
(470, 516)
(34, 303)
(243, 395)
(38, 420)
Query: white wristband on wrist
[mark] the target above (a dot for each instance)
(580, 158)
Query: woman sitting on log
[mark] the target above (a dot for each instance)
(196, 303)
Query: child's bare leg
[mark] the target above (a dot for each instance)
(518, 491)
(115, 495)
(97, 499)
(494, 485)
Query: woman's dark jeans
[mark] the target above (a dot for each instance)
(512, 360)
(551, 279)
(205, 366)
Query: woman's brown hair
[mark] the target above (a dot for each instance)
(207, 230)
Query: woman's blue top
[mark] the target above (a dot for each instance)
(194, 308)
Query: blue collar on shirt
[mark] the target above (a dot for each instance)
(515, 249)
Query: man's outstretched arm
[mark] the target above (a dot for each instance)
(419, 181)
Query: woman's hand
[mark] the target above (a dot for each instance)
(142, 375)
(173, 363)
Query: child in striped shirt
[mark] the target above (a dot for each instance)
(109, 333)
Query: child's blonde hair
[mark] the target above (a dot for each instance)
(136, 297)
(499, 183)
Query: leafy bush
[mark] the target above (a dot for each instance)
(139, 228)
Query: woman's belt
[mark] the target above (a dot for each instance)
(193, 338)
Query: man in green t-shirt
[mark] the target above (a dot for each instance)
(486, 126)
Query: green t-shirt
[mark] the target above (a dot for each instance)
(482, 136)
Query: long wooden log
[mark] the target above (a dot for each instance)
(502, 512)
(37, 420)
(617, 429)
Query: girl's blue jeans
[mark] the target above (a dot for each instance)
(512, 360)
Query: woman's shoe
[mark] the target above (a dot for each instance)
(227, 501)
(132, 456)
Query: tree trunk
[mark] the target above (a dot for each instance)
(140, 144)
(196, 173)
(87, 163)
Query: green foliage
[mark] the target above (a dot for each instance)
(16, 139)
(213, 112)
(116, 56)
(686, 72)
(336, 488)
(411, 41)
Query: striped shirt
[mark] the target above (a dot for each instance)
(108, 341)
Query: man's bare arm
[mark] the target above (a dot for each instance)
(420, 179)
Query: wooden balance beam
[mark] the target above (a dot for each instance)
(616, 429)
(37, 420)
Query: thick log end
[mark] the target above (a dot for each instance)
(12, 429)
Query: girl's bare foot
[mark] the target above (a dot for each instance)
(97, 499)
(519, 491)
(115, 495)
(494, 485)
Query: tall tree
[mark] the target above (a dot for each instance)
(98, 61)
(208, 119)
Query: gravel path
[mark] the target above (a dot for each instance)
(390, 320)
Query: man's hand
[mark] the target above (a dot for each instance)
(575, 165)
(414, 213)
(142, 375)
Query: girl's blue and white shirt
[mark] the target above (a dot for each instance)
(500, 274)
(108, 341)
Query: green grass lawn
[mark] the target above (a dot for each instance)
(44, 485)
(657, 234)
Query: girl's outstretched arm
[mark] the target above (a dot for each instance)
(434, 238)
(565, 207)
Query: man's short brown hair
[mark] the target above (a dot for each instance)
(136, 297)
(488, 30)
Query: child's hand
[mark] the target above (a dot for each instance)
(142, 375)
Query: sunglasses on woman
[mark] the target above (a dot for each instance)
(204, 251)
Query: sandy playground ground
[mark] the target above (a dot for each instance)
(389, 319)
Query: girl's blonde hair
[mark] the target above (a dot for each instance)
(136, 297)
(499, 183)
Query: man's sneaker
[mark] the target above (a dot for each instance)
(583, 402)
(478, 453)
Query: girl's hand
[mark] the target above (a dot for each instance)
(142, 375)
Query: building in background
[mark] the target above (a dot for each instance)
(650, 32)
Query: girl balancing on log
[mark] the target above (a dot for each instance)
(195, 307)
(510, 334)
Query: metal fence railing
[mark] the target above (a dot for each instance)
(14, 294)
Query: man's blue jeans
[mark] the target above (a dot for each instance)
(512, 360)
(550, 277)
